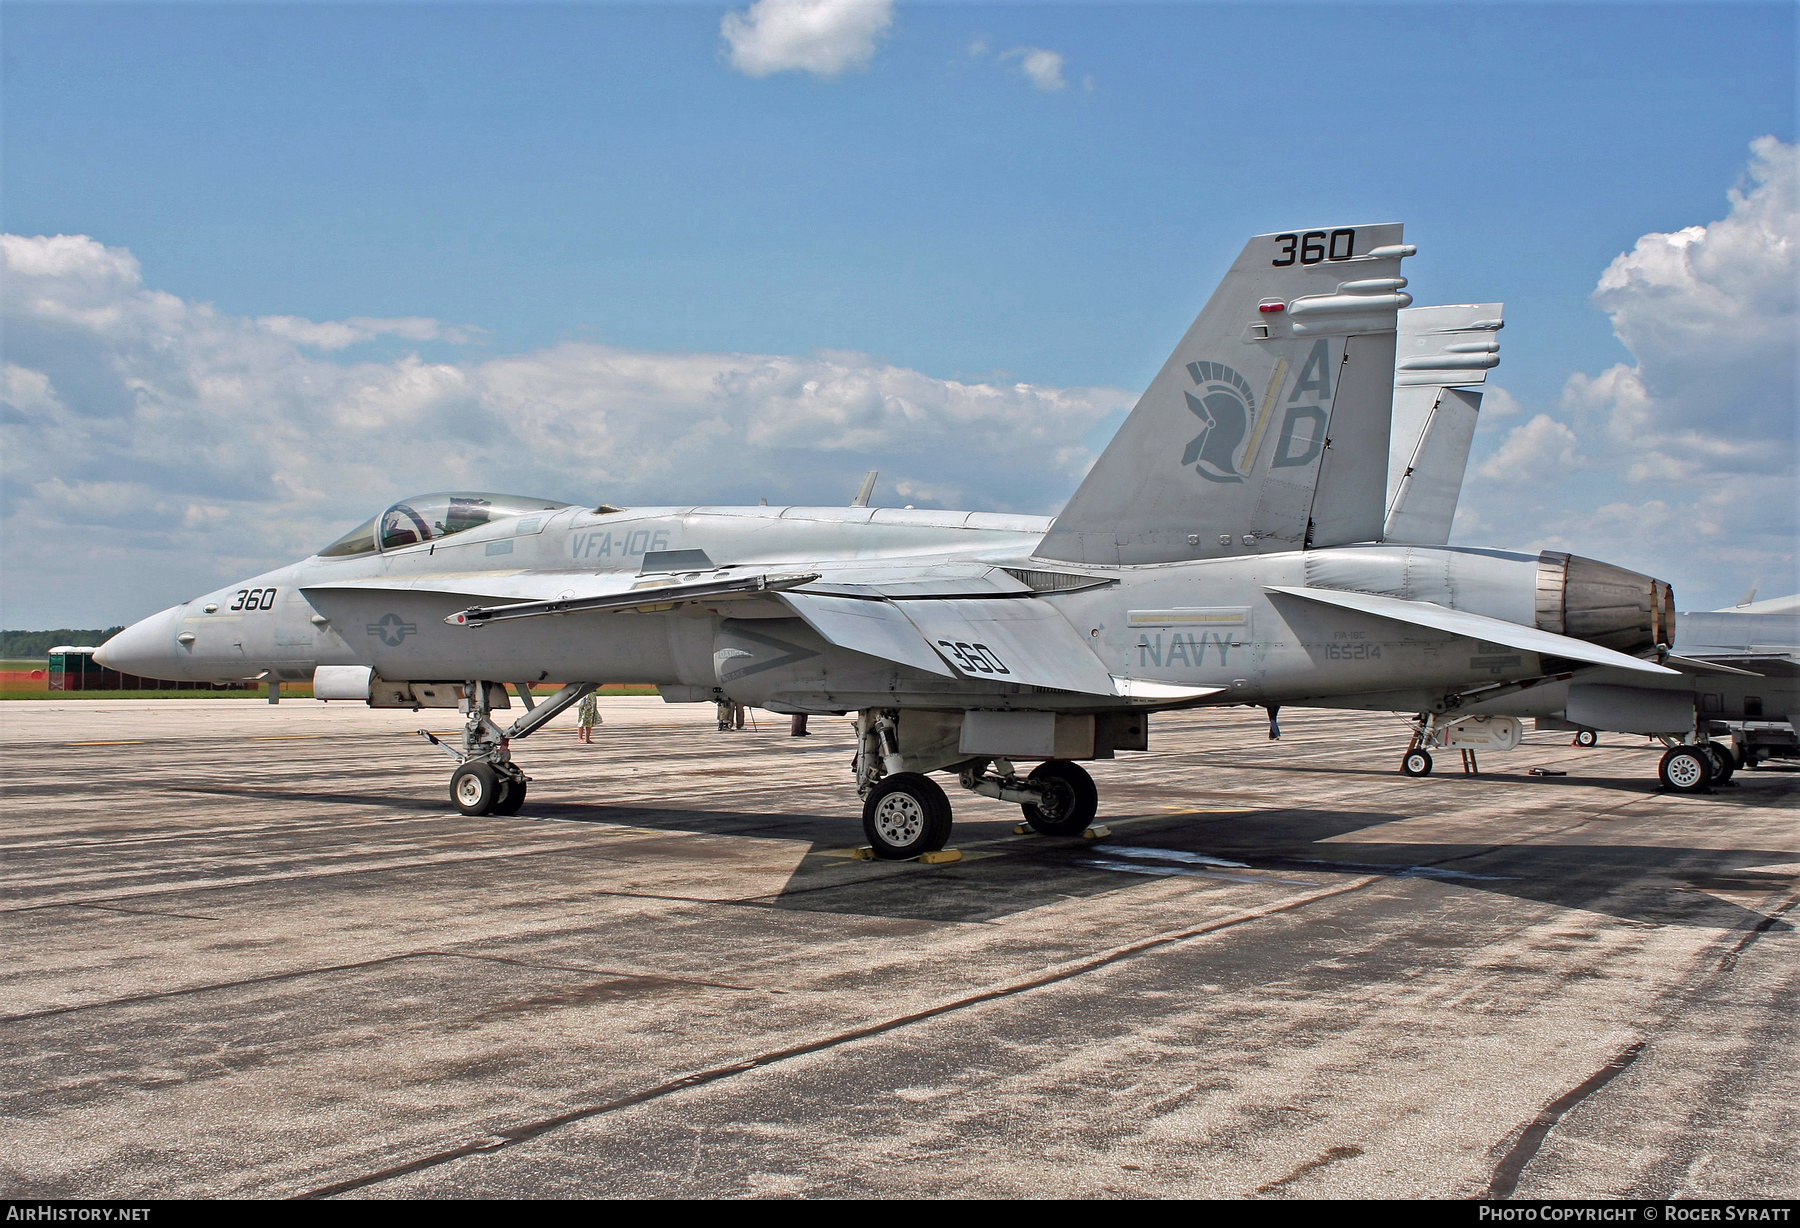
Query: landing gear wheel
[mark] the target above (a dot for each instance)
(515, 796)
(476, 788)
(1587, 737)
(1070, 799)
(904, 815)
(1724, 762)
(1686, 769)
(1417, 762)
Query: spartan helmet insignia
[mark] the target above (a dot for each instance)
(1223, 404)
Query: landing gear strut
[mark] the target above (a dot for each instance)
(486, 780)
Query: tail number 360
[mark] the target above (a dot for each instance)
(1314, 246)
(255, 599)
(974, 658)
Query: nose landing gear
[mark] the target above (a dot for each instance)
(482, 788)
(486, 780)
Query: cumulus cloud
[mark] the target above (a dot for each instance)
(1497, 402)
(169, 447)
(1691, 445)
(823, 37)
(1709, 315)
(339, 334)
(1542, 452)
(1044, 69)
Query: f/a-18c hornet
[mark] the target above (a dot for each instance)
(1226, 548)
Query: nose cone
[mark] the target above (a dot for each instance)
(146, 648)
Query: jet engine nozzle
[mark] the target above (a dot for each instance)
(1602, 604)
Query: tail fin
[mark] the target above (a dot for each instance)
(1443, 354)
(1267, 428)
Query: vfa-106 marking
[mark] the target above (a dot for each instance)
(1226, 548)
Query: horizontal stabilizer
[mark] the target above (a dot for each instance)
(1689, 665)
(1766, 665)
(1475, 627)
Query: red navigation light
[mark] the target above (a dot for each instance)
(1273, 307)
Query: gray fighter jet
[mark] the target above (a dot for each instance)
(1733, 667)
(1224, 549)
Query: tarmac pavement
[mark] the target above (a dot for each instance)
(253, 951)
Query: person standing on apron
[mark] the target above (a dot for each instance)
(587, 715)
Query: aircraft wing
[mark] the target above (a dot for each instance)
(874, 627)
(1009, 640)
(546, 593)
(1475, 626)
(644, 594)
(986, 639)
(519, 585)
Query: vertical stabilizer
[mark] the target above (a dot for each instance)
(1267, 428)
(1443, 356)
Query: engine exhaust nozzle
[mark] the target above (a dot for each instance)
(1602, 604)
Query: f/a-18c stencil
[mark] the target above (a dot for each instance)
(1226, 548)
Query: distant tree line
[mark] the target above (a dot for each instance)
(20, 644)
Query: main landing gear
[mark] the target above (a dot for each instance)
(486, 780)
(1693, 767)
(906, 814)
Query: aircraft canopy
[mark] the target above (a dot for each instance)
(424, 518)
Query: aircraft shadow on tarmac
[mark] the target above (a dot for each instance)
(1646, 884)
(1658, 885)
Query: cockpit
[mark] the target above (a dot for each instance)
(425, 518)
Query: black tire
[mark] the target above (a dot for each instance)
(476, 788)
(1725, 762)
(1685, 769)
(1417, 762)
(906, 814)
(1587, 737)
(514, 800)
(1071, 801)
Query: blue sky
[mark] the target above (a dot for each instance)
(602, 174)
